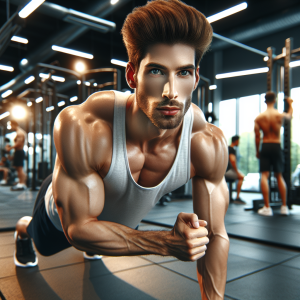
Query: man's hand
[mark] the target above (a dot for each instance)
(188, 238)
(289, 100)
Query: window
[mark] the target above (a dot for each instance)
(227, 118)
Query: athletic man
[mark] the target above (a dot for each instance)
(5, 163)
(233, 172)
(270, 122)
(118, 154)
(19, 155)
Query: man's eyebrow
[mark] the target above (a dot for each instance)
(154, 65)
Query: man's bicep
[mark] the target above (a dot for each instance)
(210, 202)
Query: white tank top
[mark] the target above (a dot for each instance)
(126, 202)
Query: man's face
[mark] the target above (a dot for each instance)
(165, 82)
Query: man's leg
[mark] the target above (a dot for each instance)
(5, 174)
(282, 191)
(21, 227)
(21, 175)
(265, 187)
(239, 187)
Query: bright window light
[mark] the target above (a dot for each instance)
(29, 103)
(19, 40)
(58, 78)
(87, 83)
(227, 12)
(72, 52)
(266, 58)
(119, 62)
(4, 115)
(294, 63)
(6, 68)
(29, 8)
(39, 99)
(18, 112)
(73, 99)
(24, 62)
(7, 93)
(242, 73)
(39, 136)
(210, 106)
(61, 103)
(113, 2)
(79, 82)
(79, 66)
(212, 87)
(50, 108)
(29, 80)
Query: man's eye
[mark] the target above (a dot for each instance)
(156, 72)
(184, 73)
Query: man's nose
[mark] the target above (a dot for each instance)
(170, 90)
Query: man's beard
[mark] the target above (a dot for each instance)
(156, 117)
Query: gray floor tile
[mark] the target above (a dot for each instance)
(187, 269)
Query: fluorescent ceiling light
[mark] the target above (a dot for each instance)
(212, 87)
(49, 108)
(227, 12)
(43, 75)
(39, 99)
(72, 52)
(6, 68)
(29, 79)
(29, 103)
(294, 63)
(119, 62)
(113, 2)
(19, 40)
(4, 115)
(7, 93)
(242, 73)
(24, 62)
(210, 106)
(73, 99)
(61, 103)
(58, 78)
(29, 8)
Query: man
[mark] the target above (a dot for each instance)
(117, 155)
(19, 155)
(233, 172)
(270, 122)
(5, 163)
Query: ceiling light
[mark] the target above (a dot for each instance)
(227, 12)
(113, 2)
(87, 83)
(19, 40)
(95, 84)
(72, 52)
(39, 136)
(58, 78)
(73, 99)
(29, 80)
(7, 93)
(210, 106)
(6, 68)
(61, 103)
(39, 99)
(212, 87)
(119, 62)
(43, 75)
(29, 8)
(29, 103)
(80, 66)
(266, 58)
(79, 82)
(50, 108)
(242, 73)
(24, 62)
(18, 112)
(294, 63)
(4, 115)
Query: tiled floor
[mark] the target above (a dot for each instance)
(255, 270)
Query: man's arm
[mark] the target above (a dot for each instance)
(210, 200)
(257, 137)
(289, 113)
(19, 140)
(79, 195)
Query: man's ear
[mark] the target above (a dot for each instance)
(197, 78)
(130, 75)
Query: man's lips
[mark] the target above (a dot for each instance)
(169, 110)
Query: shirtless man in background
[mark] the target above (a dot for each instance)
(270, 122)
(19, 155)
(117, 155)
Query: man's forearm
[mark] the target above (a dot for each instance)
(108, 238)
(257, 142)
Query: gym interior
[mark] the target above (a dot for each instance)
(63, 52)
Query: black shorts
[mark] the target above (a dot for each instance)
(271, 155)
(19, 157)
(47, 238)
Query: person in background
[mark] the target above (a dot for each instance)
(5, 163)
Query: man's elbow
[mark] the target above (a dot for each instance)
(74, 236)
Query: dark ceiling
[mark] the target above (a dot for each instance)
(38, 28)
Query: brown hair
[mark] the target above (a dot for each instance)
(167, 22)
(270, 97)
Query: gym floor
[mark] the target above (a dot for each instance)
(263, 263)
